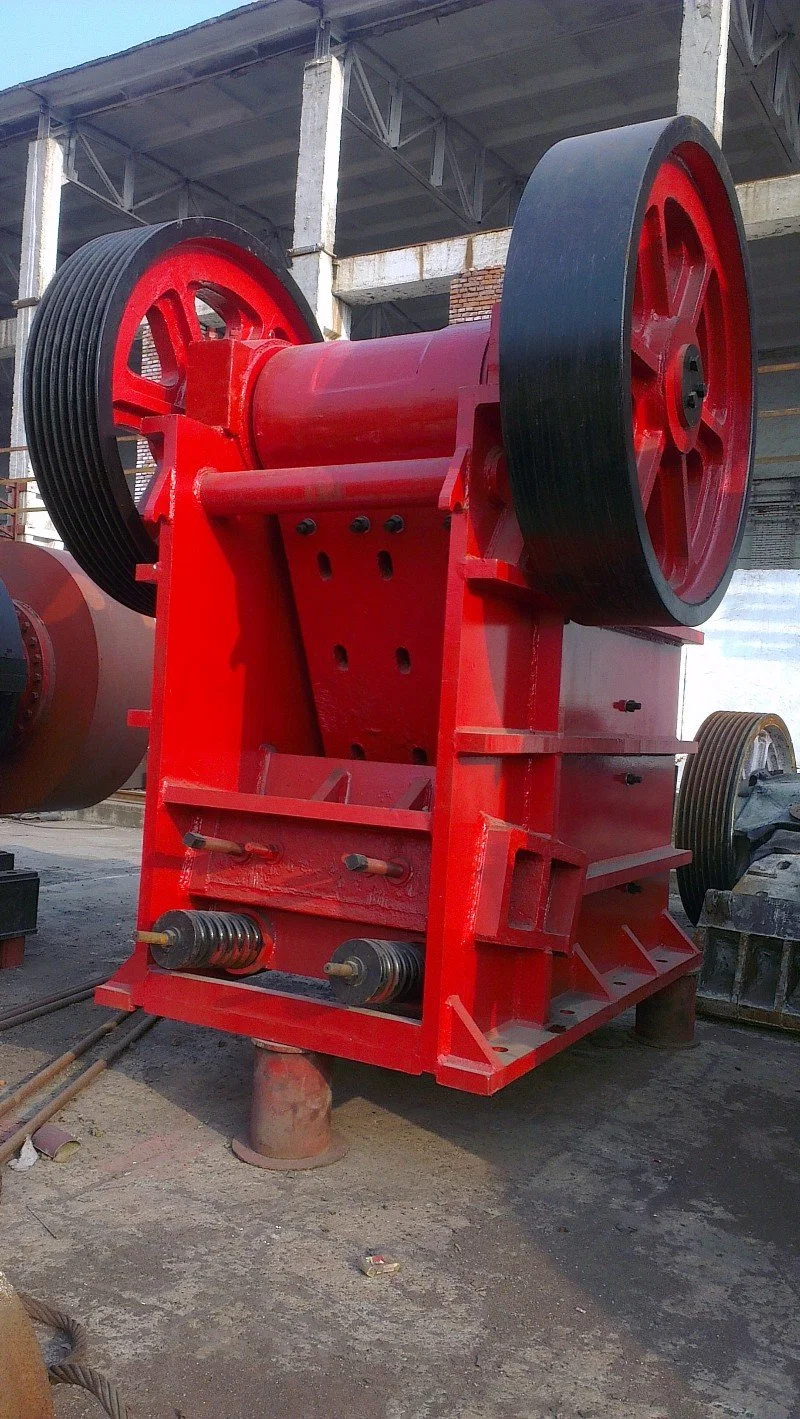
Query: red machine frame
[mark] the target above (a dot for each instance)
(403, 694)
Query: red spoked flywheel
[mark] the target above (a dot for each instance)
(627, 374)
(108, 352)
(691, 377)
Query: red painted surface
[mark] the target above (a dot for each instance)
(690, 292)
(386, 683)
(88, 660)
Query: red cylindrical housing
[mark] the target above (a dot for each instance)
(89, 663)
(359, 401)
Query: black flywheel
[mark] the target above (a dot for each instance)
(732, 745)
(627, 374)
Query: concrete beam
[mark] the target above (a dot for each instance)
(703, 61)
(422, 270)
(38, 256)
(771, 207)
(317, 191)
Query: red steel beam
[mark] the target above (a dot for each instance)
(336, 488)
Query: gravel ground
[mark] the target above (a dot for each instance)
(613, 1237)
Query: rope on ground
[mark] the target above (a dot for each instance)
(94, 1382)
(73, 1370)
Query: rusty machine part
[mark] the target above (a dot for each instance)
(290, 1111)
(72, 663)
(420, 604)
(87, 662)
(25, 1391)
(738, 813)
(25, 1388)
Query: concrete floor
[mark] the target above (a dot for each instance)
(614, 1237)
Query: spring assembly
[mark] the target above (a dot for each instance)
(369, 972)
(184, 940)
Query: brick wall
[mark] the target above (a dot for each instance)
(473, 294)
(151, 369)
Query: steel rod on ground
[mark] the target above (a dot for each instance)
(57, 1066)
(49, 1004)
(54, 1105)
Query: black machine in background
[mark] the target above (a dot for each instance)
(739, 812)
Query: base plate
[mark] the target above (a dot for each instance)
(336, 1150)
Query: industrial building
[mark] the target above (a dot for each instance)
(612, 1234)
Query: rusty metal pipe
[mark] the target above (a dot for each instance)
(50, 1004)
(77, 1085)
(57, 1066)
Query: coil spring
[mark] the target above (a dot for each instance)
(207, 938)
(364, 971)
(400, 970)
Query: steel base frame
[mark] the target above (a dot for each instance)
(520, 766)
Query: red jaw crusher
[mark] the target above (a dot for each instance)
(420, 607)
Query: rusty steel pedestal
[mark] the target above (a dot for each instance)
(666, 1020)
(290, 1113)
(24, 1387)
(12, 952)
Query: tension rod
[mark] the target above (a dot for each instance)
(201, 843)
(373, 866)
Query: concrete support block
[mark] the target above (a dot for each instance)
(771, 207)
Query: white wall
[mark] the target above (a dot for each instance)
(751, 658)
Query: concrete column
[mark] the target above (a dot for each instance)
(317, 191)
(38, 256)
(703, 61)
